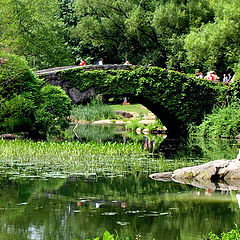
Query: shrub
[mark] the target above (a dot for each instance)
(222, 122)
(53, 111)
(17, 114)
(29, 104)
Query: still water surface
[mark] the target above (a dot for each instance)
(84, 207)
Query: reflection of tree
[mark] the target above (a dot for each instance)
(195, 148)
(98, 133)
(52, 210)
(16, 197)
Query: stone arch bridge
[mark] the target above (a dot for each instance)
(175, 98)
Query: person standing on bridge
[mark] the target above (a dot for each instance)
(100, 62)
(82, 63)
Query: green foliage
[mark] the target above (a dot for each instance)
(15, 76)
(142, 32)
(222, 122)
(28, 104)
(182, 35)
(32, 28)
(95, 110)
(155, 126)
(53, 111)
(234, 234)
(134, 124)
(215, 45)
(17, 114)
(108, 236)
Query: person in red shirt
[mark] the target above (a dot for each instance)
(82, 63)
(211, 77)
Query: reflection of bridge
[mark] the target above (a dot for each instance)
(175, 98)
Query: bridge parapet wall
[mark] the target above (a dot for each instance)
(52, 71)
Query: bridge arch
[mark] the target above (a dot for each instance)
(175, 98)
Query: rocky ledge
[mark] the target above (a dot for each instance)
(219, 174)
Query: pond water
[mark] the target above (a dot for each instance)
(81, 207)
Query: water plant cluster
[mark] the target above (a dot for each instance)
(108, 236)
(69, 158)
(234, 234)
(26, 158)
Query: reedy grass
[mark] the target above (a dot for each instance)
(95, 110)
(75, 157)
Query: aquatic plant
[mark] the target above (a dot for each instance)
(62, 159)
(66, 158)
(234, 234)
(108, 236)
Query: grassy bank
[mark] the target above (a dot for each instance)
(97, 110)
(137, 108)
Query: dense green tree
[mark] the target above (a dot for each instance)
(140, 31)
(215, 45)
(176, 34)
(32, 28)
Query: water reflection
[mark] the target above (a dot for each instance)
(80, 208)
(169, 148)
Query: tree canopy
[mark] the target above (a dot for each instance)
(177, 34)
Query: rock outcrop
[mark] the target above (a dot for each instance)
(219, 174)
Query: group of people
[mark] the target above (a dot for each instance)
(210, 76)
(227, 78)
(83, 63)
(100, 62)
(213, 76)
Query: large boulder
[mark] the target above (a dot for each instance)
(218, 174)
(214, 170)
